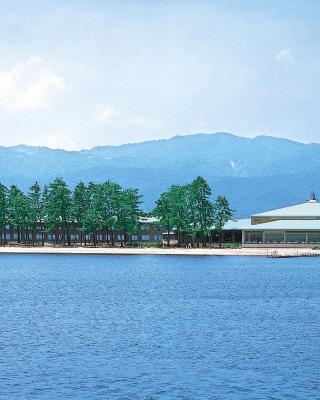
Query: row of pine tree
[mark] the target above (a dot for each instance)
(109, 207)
(188, 209)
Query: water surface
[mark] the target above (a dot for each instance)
(159, 327)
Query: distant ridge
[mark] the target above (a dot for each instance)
(257, 173)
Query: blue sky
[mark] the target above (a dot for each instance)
(76, 74)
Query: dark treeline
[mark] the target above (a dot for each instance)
(188, 209)
(93, 208)
(58, 210)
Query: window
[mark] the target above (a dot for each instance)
(145, 237)
(157, 238)
(120, 237)
(274, 237)
(134, 237)
(313, 237)
(296, 237)
(253, 237)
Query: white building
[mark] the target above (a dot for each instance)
(295, 226)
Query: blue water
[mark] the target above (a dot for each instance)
(159, 327)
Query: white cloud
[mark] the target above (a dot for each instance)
(29, 85)
(56, 140)
(283, 55)
(105, 113)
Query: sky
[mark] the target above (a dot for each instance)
(77, 74)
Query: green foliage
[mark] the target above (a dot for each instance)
(3, 205)
(36, 204)
(57, 204)
(18, 208)
(172, 210)
(221, 215)
(128, 210)
(200, 207)
(110, 193)
(231, 245)
(189, 209)
(92, 218)
(147, 244)
(80, 203)
(109, 207)
(164, 211)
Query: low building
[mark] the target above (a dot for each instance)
(294, 226)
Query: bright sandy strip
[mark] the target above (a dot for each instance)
(157, 251)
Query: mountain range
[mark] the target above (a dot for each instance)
(256, 174)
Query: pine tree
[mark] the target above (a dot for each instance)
(93, 220)
(222, 214)
(80, 206)
(179, 209)
(111, 193)
(3, 212)
(36, 210)
(58, 208)
(128, 211)
(164, 212)
(200, 208)
(19, 211)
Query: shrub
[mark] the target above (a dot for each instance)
(231, 246)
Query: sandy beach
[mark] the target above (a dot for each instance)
(284, 252)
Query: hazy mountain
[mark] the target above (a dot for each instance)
(256, 174)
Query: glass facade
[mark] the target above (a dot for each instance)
(274, 237)
(254, 237)
(296, 237)
(281, 237)
(313, 237)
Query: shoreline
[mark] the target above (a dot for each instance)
(262, 252)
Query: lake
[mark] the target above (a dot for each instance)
(159, 327)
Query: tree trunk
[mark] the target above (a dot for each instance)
(68, 235)
(168, 238)
(204, 240)
(4, 235)
(42, 234)
(27, 235)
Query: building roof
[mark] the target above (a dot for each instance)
(281, 225)
(310, 208)
(148, 220)
(239, 224)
